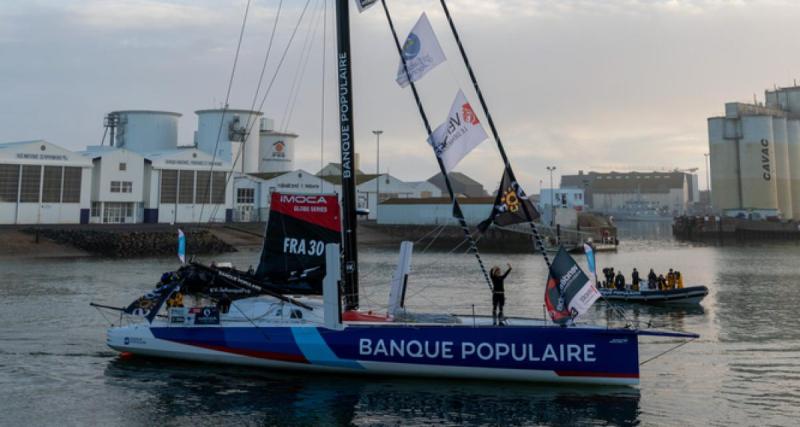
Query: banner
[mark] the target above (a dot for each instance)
(181, 246)
(458, 135)
(150, 303)
(508, 205)
(569, 292)
(421, 52)
(364, 4)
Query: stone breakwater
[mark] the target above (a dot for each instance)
(125, 243)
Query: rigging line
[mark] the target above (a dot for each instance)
(433, 240)
(495, 134)
(456, 207)
(668, 350)
(227, 98)
(294, 93)
(267, 55)
(322, 104)
(263, 100)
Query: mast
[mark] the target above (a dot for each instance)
(346, 130)
(495, 134)
(456, 206)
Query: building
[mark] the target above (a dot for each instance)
(462, 184)
(119, 189)
(560, 205)
(42, 183)
(670, 193)
(755, 157)
(433, 211)
(252, 191)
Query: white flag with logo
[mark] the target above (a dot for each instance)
(421, 51)
(364, 4)
(459, 135)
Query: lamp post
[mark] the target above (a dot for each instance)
(377, 169)
(552, 203)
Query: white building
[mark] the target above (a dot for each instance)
(187, 185)
(118, 185)
(368, 186)
(42, 183)
(252, 192)
(433, 211)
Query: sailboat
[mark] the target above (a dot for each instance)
(278, 329)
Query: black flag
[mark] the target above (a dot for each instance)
(508, 206)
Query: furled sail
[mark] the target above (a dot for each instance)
(569, 292)
(299, 227)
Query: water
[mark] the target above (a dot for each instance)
(745, 368)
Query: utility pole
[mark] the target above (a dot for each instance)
(377, 170)
(552, 201)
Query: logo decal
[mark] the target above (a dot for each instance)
(412, 47)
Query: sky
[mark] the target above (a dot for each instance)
(580, 85)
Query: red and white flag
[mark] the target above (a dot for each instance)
(459, 134)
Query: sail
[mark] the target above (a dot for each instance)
(299, 227)
(569, 292)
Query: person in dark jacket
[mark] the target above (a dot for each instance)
(652, 279)
(498, 293)
(619, 281)
(635, 280)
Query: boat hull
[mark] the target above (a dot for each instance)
(689, 295)
(537, 354)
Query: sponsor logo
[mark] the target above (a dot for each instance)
(518, 352)
(767, 174)
(510, 200)
(303, 199)
(277, 149)
(469, 114)
(238, 280)
(618, 341)
(133, 340)
(412, 47)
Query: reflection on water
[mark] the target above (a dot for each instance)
(210, 394)
(745, 368)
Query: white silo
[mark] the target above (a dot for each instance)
(144, 131)
(793, 139)
(757, 163)
(792, 97)
(782, 173)
(276, 149)
(225, 130)
(724, 166)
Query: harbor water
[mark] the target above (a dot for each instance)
(744, 370)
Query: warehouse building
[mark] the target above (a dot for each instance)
(253, 191)
(118, 185)
(664, 193)
(42, 183)
(755, 157)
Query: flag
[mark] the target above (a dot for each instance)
(364, 4)
(150, 303)
(181, 246)
(458, 135)
(509, 205)
(421, 52)
(589, 252)
(569, 292)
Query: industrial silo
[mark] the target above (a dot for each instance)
(792, 96)
(782, 183)
(276, 149)
(793, 138)
(226, 130)
(724, 166)
(757, 163)
(143, 131)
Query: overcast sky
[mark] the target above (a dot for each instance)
(583, 84)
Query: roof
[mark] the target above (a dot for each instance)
(627, 182)
(18, 143)
(338, 166)
(172, 113)
(439, 201)
(276, 133)
(229, 110)
(360, 178)
(267, 175)
(460, 182)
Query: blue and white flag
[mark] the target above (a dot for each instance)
(421, 52)
(181, 246)
(587, 249)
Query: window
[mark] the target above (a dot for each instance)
(95, 209)
(116, 186)
(186, 187)
(218, 188)
(9, 183)
(127, 187)
(51, 185)
(203, 187)
(123, 166)
(169, 186)
(246, 195)
(31, 176)
(72, 185)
